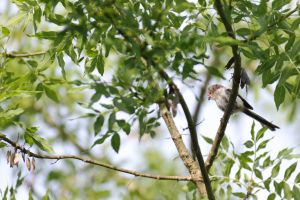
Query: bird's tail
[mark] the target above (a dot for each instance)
(262, 120)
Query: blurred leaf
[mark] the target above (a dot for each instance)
(31, 137)
(215, 71)
(51, 93)
(275, 170)
(271, 196)
(16, 19)
(288, 172)
(98, 124)
(115, 142)
(249, 144)
(239, 194)
(258, 174)
(100, 140)
(279, 95)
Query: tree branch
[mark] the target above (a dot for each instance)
(93, 162)
(235, 86)
(194, 136)
(20, 55)
(187, 159)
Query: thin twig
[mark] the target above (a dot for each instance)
(93, 162)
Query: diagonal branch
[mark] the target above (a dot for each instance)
(93, 162)
(194, 137)
(235, 86)
(187, 159)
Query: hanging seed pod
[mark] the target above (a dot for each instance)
(11, 161)
(28, 163)
(33, 164)
(16, 159)
(23, 156)
(8, 155)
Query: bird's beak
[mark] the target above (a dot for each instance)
(209, 97)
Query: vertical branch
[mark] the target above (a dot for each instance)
(235, 86)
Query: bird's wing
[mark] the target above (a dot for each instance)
(246, 104)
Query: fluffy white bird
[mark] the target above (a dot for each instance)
(221, 96)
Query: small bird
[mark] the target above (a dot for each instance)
(221, 96)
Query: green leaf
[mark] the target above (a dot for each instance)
(2, 144)
(263, 144)
(279, 95)
(258, 174)
(115, 142)
(223, 40)
(297, 179)
(278, 187)
(268, 77)
(207, 139)
(16, 19)
(271, 196)
(98, 124)
(288, 172)
(111, 121)
(287, 191)
(61, 62)
(296, 193)
(278, 4)
(267, 183)
(249, 144)
(124, 125)
(50, 35)
(5, 31)
(100, 140)
(124, 104)
(51, 93)
(8, 114)
(260, 133)
(243, 31)
(267, 162)
(252, 131)
(290, 42)
(284, 152)
(228, 167)
(215, 71)
(100, 64)
(239, 194)
(275, 170)
(31, 137)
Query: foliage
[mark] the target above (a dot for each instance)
(99, 63)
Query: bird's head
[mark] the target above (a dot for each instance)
(211, 90)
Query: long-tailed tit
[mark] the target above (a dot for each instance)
(221, 96)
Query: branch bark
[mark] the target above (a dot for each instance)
(235, 86)
(194, 137)
(93, 162)
(187, 159)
